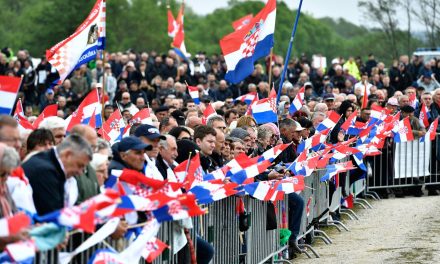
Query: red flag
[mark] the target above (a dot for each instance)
(50, 110)
(135, 177)
(348, 121)
(424, 115)
(365, 98)
(209, 111)
(12, 225)
(153, 249)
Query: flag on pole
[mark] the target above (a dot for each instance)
(172, 24)
(209, 111)
(23, 123)
(242, 48)
(50, 110)
(113, 128)
(83, 45)
(242, 22)
(9, 87)
(10, 226)
(432, 131)
(153, 249)
(265, 110)
(403, 132)
(329, 122)
(88, 107)
(248, 98)
(424, 115)
(194, 93)
(179, 35)
(365, 97)
(297, 102)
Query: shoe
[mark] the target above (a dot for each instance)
(418, 193)
(432, 193)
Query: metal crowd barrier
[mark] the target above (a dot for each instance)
(405, 164)
(220, 227)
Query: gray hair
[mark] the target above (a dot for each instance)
(164, 142)
(264, 132)
(236, 139)
(77, 144)
(316, 114)
(10, 159)
(103, 144)
(52, 122)
(214, 118)
(98, 160)
(320, 107)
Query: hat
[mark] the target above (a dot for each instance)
(239, 133)
(185, 148)
(308, 84)
(328, 97)
(298, 126)
(148, 131)
(393, 101)
(98, 85)
(407, 109)
(129, 143)
(326, 78)
(162, 108)
(49, 91)
(335, 61)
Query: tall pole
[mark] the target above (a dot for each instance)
(270, 66)
(289, 50)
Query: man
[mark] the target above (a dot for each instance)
(230, 116)
(329, 100)
(150, 135)
(161, 112)
(167, 124)
(237, 147)
(289, 131)
(219, 144)
(59, 164)
(364, 117)
(126, 103)
(87, 182)
(130, 154)
(166, 160)
(57, 126)
(193, 121)
(9, 133)
(427, 99)
(217, 122)
(392, 105)
(205, 138)
(108, 111)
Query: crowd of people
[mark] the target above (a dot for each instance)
(75, 166)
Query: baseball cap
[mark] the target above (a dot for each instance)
(407, 109)
(129, 143)
(148, 131)
(393, 101)
(308, 84)
(298, 126)
(49, 91)
(329, 96)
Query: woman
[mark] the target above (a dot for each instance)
(180, 133)
(264, 136)
(345, 110)
(247, 121)
(100, 164)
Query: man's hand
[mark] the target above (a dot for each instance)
(274, 175)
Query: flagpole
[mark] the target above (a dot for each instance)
(270, 65)
(289, 50)
(15, 105)
(104, 86)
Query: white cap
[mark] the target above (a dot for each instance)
(298, 126)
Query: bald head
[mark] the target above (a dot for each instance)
(86, 132)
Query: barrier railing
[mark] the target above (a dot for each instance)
(220, 227)
(405, 164)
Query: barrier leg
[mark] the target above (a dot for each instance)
(339, 224)
(366, 202)
(322, 235)
(331, 224)
(360, 204)
(311, 249)
(350, 213)
(372, 196)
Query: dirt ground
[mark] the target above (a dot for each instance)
(398, 230)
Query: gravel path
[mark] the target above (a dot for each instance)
(396, 231)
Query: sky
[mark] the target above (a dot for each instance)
(348, 9)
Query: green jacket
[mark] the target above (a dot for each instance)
(87, 185)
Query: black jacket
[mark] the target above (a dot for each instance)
(47, 179)
(162, 166)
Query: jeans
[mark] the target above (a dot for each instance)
(204, 251)
(296, 209)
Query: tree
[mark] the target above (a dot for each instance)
(427, 14)
(383, 12)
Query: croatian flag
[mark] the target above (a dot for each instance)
(189, 174)
(153, 249)
(132, 177)
(83, 45)
(244, 47)
(347, 201)
(403, 132)
(431, 133)
(23, 123)
(172, 24)
(262, 190)
(10, 226)
(265, 110)
(183, 207)
(179, 36)
(413, 101)
(9, 87)
(194, 93)
(334, 169)
(349, 120)
(78, 217)
(209, 111)
(248, 98)
(88, 107)
(207, 192)
(103, 256)
(329, 122)
(424, 115)
(242, 22)
(291, 184)
(50, 110)
(297, 102)
(141, 117)
(20, 252)
(113, 129)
